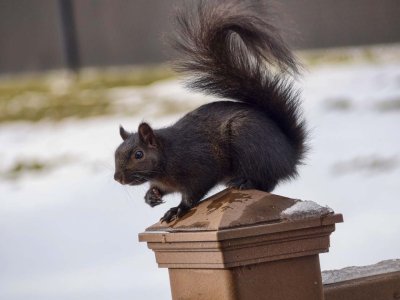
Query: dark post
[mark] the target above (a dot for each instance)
(69, 34)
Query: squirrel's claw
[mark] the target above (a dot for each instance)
(153, 203)
(174, 213)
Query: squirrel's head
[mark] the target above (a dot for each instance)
(136, 159)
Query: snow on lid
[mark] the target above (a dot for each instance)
(349, 273)
(305, 210)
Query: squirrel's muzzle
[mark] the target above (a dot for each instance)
(118, 176)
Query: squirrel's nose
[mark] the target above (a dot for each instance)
(118, 177)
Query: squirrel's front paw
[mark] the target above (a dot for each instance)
(153, 197)
(174, 213)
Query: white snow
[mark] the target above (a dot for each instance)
(70, 232)
(349, 273)
(304, 210)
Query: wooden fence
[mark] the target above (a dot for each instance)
(50, 34)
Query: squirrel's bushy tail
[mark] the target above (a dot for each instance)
(228, 49)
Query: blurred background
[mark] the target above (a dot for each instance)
(48, 34)
(72, 71)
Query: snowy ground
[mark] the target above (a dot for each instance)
(68, 231)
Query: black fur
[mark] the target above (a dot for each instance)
(228, 50)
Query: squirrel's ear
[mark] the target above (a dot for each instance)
(146, 135)
(123, 133)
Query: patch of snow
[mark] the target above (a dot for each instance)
(350, 273)
(305, 210)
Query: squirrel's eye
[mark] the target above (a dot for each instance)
(139, 154)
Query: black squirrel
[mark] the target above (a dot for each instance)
(229, 50)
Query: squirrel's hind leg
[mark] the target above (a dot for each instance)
(241, 184)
